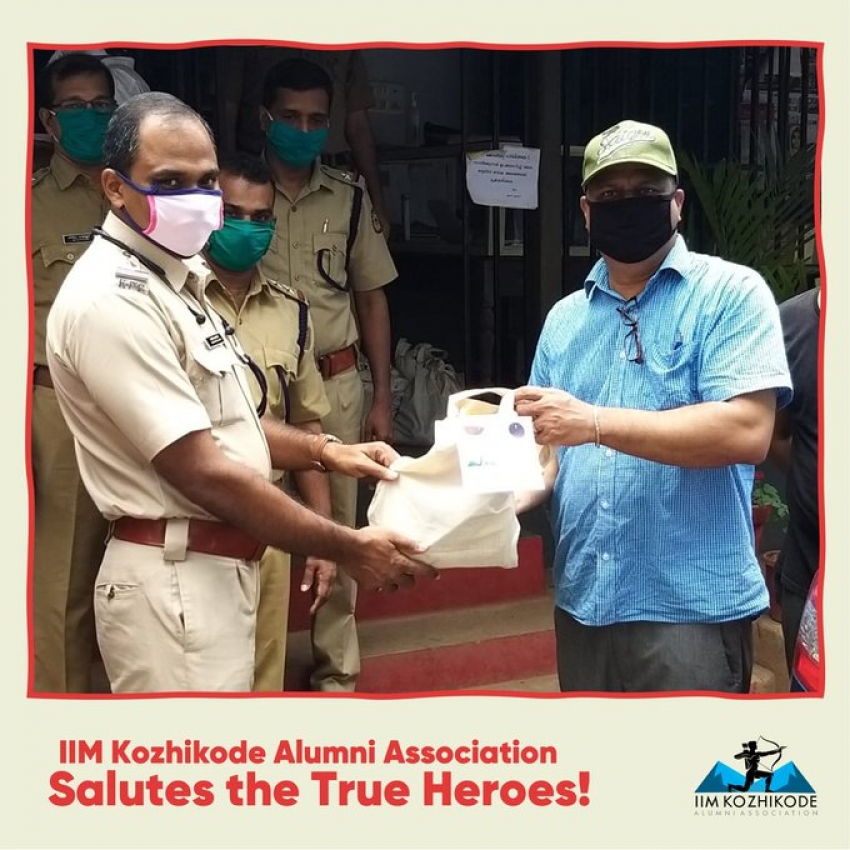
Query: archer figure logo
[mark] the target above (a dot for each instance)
(763, 788)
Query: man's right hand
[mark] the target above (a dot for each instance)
(361, 460)
(383, 560)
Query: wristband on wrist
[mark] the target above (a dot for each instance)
(596, 424)
(319, 447)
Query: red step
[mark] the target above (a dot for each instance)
(456, 588)
(454, 649)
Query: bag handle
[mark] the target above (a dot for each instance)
(506, 405)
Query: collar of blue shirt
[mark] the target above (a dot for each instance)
(678, 259)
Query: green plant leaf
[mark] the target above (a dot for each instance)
(759, 217)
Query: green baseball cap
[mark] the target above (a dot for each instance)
(628, 141)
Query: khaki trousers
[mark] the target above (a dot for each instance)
(336, 650)
(68, 547)
(175, 620)
(272, 618)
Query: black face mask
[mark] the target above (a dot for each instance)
(630, 229)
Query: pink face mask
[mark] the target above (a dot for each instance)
(182, 220)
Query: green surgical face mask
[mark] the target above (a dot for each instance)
(82, 133)
(240, 243)
(296, 147)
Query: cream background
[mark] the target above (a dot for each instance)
(645, 755)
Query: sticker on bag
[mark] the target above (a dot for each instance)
(461, 525)
(497, 453)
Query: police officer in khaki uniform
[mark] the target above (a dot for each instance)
(76, 97)
(328, 243)
(273, 325)
(171, 449)
(242, 72)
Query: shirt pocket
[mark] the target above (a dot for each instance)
(329, 255)
(60, 257)
(670, 370)
(212, 372)
(281, 371)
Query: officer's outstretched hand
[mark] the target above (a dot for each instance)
(361, 460)
(383, 560)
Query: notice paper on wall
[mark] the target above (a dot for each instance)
(504, 178)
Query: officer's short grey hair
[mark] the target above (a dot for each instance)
(121, 143)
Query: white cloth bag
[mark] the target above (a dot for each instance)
(428, 504)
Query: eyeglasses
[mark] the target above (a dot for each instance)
(103, 106)
(606, 194)
(631, 321)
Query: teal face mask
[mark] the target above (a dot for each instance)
(240, 244)
(82, 133)
(296, 147)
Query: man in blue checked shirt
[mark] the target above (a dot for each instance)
(658, 382)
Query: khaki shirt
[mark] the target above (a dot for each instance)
(312, 229)
(268, 327)
(134, 372)
(65, 207)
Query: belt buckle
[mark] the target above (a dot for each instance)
(258, 552)
(324, 364)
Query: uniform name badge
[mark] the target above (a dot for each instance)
(497, 453)
(76, 238)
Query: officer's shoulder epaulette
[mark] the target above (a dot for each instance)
(288, 291)
(39, 175)
(346, 177)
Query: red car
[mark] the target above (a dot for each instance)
(807, 673)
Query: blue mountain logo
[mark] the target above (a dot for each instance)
(788, 779)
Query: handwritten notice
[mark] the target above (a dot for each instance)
(504, 178)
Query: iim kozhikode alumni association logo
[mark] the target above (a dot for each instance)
(764, 787)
